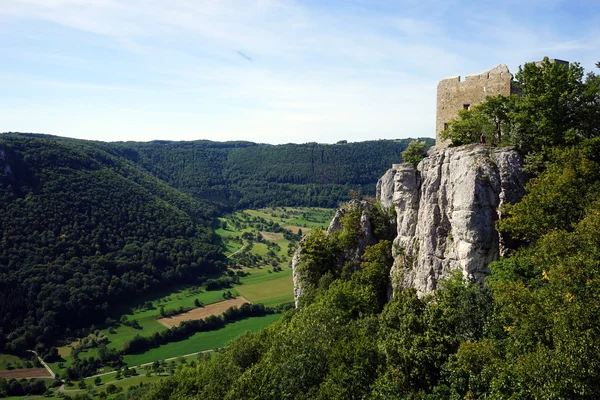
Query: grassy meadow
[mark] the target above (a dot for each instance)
(267, 287)
(272, 223)
(9, 361)
(259, 243)
(202, 341)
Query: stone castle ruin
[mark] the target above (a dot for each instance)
(446, 207)
(454, 94)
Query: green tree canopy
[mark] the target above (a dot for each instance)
(556, 105)
(415, 152)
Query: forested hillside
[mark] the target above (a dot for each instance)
(81, 231)
(85, 225)
(248, 175)
(531, 332)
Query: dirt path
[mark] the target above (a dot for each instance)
(237, 251)
(52, 374)
(29, 373)
(63, 390)
(150, 363)
(202, 312)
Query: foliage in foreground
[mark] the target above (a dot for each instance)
(531, 333)
(415, 152)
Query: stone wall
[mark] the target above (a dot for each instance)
(454, 94)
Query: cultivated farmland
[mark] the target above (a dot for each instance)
(203, 312)
(259, 244)
(25, 373)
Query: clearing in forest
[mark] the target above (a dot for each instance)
(202, 312)
(268, 237)
(202, 340)
(267, 287)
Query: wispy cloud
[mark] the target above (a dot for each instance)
(320, 70)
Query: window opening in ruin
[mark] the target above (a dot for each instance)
(445, 126)
(467, 106)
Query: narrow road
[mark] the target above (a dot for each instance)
(63, 390)
(237, 251)
(52, 374)
(150, 363)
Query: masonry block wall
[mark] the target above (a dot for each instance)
(454, 94)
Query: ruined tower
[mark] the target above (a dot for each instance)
(454, 94)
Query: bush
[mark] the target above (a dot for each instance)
(415, 152)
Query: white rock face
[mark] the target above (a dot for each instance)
(446, 210)
(385, 187)
(295, 277)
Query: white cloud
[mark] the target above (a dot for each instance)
(319, 71)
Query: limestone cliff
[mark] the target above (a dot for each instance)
(446, 209)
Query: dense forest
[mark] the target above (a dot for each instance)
(80, 231)
(86, 225)
(238, 175)
(249, 175)
(531, 332)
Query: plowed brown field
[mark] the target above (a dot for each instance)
(203, 312)
(25, 373)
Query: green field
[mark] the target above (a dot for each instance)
(231, 228)
(124, 383)
(270, 238)
(14, 361)
(202, 341)
(147, 320)
(261, 285)
(269, 288)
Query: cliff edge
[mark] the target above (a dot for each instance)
(364, 237)
(446, 209)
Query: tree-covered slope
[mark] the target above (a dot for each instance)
(243, 174)
(531, 332)
(250, 175)
(82, 230)
(85, 225)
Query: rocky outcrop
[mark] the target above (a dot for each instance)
(365, 234)
(364, 238)
(446, 210)
(385, 187)
(298, 288)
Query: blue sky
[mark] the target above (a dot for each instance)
(314, 70)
